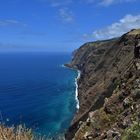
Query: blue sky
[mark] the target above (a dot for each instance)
(63, 25)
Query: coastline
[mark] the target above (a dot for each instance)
(76, 83)
(76, 91)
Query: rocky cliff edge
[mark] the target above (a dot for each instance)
(109, 88)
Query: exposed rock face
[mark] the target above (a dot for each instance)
(103, 64)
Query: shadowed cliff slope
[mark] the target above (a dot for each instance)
(102, 65)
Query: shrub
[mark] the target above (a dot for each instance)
(133, 132)
(17, 133)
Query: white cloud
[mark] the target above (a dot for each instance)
(66, 15)
(107, 2)
(111, 2)
(117, 29)
(58, 3)
(9, 22)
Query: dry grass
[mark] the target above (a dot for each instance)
(18, 133)
(134, 32)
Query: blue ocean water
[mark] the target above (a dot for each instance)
(36, 90)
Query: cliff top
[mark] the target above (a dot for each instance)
(134, 32)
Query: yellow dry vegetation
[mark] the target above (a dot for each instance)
(134, 32)
(17, 133)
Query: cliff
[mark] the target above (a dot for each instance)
(108, 69)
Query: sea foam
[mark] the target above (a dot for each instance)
(76, 83)
(76, 92)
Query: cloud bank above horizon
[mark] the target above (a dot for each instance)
(116, 29)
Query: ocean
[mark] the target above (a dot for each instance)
(36, 90)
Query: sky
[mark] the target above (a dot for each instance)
(63, 25)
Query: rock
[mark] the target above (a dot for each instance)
(88, 136)
(136, 95)
(88, 122)
(138, 66)
(125, 114)
(124, 94)
(139, 116)
(137, 83)
(121, 125)
(91, 114)
(95, 134)
(107, 110)
(113, 135)
(80, 123)
(103, 136)
(127, 102)
(110, 134)
(123, 86)
(121, 97)
(124, 123)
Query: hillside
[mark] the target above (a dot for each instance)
(109, 80)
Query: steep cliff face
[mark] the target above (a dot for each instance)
(102, 65)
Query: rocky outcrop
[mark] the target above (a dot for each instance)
(119, 111)
(104, 66)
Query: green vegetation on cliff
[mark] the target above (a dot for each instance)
(132, 132)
